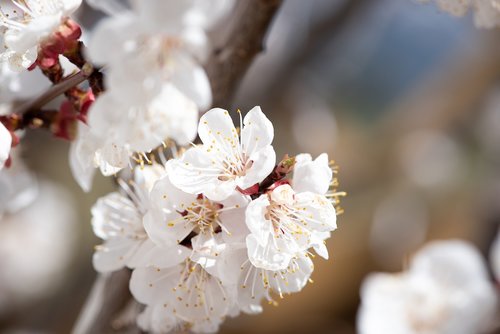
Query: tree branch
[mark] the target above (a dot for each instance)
(227, 65)
(108, 296)
(226, 68)
(56, 90)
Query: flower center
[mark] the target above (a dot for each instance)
(202, 215)
(235, 168)
(288, 222)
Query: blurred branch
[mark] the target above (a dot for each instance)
(56, 90)
(225, 68)
(65, 85)
(326, 30)
(107, 298)
(450, 93)
(227, 65)
(320, 34)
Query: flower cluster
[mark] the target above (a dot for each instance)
(219, 228)
(155, 84)
(445, 290)
(486, 12)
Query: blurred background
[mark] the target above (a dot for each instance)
(404, 98)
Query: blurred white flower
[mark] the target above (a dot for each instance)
(283, 223)
(158, 43)
(26, 24)
(225, 163)
(495, 257)
(46, 230)
(445, 290)
(117, 130)
(5, 144)
(20, 85)
(18, 186)
(486, 12)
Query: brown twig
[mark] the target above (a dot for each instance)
(56, 90)
(226, 67)
(95, 79)
(108, 296)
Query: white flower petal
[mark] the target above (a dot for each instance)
(166, 229)
(115, 215)
(81, 156)
(5, 144)
(256, 220)
(157, 319)
(263, 162)
(269, 258)
(190, 78)
(318, 243)
(190, 179)
(294, 278)
(206, 251)
(216, 128)
(235, 229)
(149, 285)
(319, 211)
(114, 254)
(152, 255)
(164, 222)
(314, 176)
(257, 132)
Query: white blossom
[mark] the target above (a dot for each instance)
(117, 218)
(486, 12)
(158, 42)
(208, 238)
(26, 24)
(283, 223)
(445, 290)
(225, 162)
